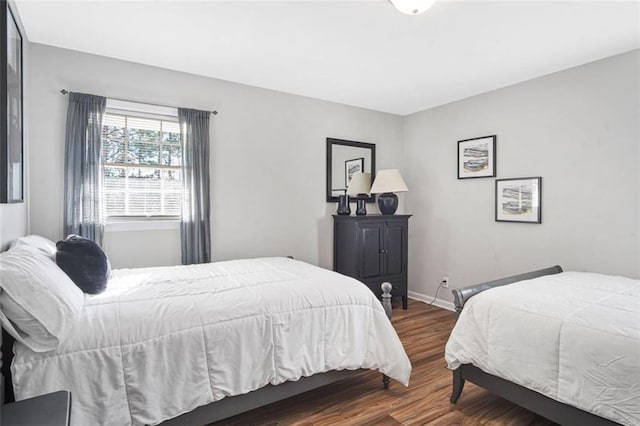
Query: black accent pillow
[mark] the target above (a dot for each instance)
(84, 262)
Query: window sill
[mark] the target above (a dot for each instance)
(126, 225)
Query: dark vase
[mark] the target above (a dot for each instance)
(388, 203)
(343, 205)
(362, 207)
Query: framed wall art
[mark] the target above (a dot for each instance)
(477, 157)
(519, 200)
(351, 167)
(11, 133)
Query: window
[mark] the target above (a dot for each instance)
(142, 159)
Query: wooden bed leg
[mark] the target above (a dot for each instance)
(385, 381)
(386, 298)
(386, 304)
(458, 385)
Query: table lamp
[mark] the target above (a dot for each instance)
(386, 183)
(359, 187)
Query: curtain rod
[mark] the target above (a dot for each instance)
(65, 91)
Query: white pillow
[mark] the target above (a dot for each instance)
(38, 302)
(43, 244)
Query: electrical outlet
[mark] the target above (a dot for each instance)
(445, 282)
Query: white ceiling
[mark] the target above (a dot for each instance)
(358, 52)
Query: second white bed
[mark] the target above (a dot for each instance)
(574, 337)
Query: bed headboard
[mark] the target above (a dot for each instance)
(2, 390)
(461, 295)
(6, 355)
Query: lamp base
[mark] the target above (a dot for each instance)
(362, 208)
(388, 203)
(343, 205)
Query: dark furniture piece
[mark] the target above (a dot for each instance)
(531, 400)
(373, 249)
(52, 409)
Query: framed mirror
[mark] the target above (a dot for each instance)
(345, 158)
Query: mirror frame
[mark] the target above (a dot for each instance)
(330, 143)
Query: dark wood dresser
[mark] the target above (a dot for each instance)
(373, 249)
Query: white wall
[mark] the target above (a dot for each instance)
(267, 156)
(579, 130)
(131, 249)
(13, 217)
(13, 223)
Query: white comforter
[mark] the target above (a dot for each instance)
(162, 341)
(574, 337)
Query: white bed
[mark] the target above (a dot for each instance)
(574, 337)
(163, 341)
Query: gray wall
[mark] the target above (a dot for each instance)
(13, 217)
(267, 160)
(578, 129)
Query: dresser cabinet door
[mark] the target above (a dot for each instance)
(394, 248)
(371, 250)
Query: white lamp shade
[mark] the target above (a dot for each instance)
(388, 181)
(360, 184)
(412, 7)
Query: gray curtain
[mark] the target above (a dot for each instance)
(83, 214)
(195, 227)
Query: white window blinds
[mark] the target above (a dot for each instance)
(142, 159)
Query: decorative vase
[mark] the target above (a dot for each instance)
(362, 207)
(388, 203)
(343, 205)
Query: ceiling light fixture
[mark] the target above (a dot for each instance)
(412, 7)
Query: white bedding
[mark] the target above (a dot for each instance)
(163, 341)
(574, 337)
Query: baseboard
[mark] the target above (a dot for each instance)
(445, 304)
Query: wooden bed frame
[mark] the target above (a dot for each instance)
(527, 398)
(226, 407)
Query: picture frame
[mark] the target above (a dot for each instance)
(351, 167)
(519, 200)
(338, 151)
(11, 109)
(477, 157)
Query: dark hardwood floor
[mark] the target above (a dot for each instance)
(360, 400)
